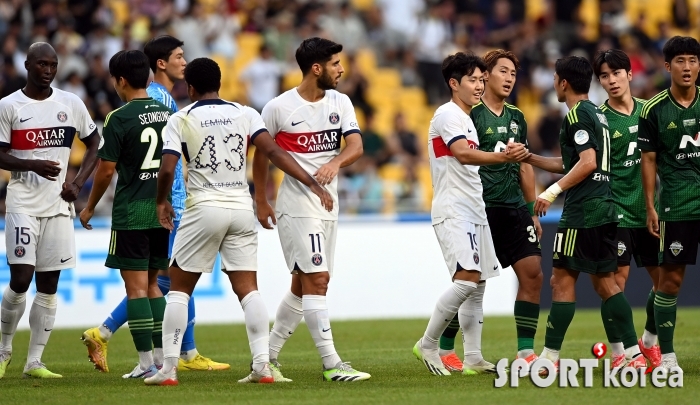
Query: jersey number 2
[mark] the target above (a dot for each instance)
(150, 135)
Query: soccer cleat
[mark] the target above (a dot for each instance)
(37, 369)
(529, 359)
(638, 362)
(653, 354)
(275, 370)
(668, 361)
(482, 367)
(162, 378)
(97, 348)
(431, 360)
(138, 372)
(343, 372)
(618, 360)
(201, 363)
(5, 360)
(255, 377)
(544, 372)
(452, 362)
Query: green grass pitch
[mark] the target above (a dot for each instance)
(380, 347)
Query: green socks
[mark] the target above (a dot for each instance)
(621, 314)
(447, 340)
(140, 318)
(651, 319)
(526, 317)
(558, 322)
(610, 329)
(665, 316)
(158, 310)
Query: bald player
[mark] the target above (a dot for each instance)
(37, 126)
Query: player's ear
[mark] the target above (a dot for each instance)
(667, 66)
(486, 75)
(454, 84)
(317, 69)
(160, 63)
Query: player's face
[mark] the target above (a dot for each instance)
(41, 70)
(684, 70)
(559, 88)
(501, 79)
(470, 88)
(615, 82)
(175, 66)
(330, 74)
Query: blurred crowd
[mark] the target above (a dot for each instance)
(409, 37)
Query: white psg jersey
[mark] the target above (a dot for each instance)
(214, 136)
(42, 130)
(457, 190)
(311, 133)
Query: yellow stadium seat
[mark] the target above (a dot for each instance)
(392, 172)
(291, 80)
(366, 61)
(426, 183)
(362, 5)
(387, 78)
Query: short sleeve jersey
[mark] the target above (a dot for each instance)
(159, 93)
(673, 132)
(133, 138)
(311, 133)
(213, 135)
(42, 130)
(626, 170)
(501, 182)
(457, 190)
(589, 203)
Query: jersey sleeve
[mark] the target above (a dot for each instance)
(111, 144)
(257, 126)
(449, 126)
(5, 125)
(648, 133)
(84, 124)
(172, 136)
(348, 119)
(269, 118)
(523, 132)
(582, 132)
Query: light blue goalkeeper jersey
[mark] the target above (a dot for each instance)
(179, 193)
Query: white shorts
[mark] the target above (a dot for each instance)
(205, 231)
(308, 243)
(467, 246)
(47, 243)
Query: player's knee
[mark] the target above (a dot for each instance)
(317, 284)
(47, 282)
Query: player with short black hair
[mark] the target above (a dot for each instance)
(139, 245)
(668, 128)
(314, 51)
(37, 127)
(586, 239)
(161, 49)
(204, 75)
(614, 71)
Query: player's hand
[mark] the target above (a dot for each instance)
(85, 216)
(324, 195)
(70, 191)
(47, 169)
(541, 207)
(653, 223)
(326, 173)
(166, 214)
(516, 152)
(266, 211)
(538, 227)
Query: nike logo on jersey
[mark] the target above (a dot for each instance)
(25, 120)
(294, 124)
(325, 330)
(65, 260)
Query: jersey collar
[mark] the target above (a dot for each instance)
(158, 86)
(679, 105)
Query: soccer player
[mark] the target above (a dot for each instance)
(586, 239)
(139, 245)
(308, 122)
(37, 126)
(668, 128)
(458, 213)
(219, 217)
(614, 72)
(167, 61)
(509, 197)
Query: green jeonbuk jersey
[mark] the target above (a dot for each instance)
(626, 170)
(502, 181)
(671, 130)
(132, 137)
(589, 203)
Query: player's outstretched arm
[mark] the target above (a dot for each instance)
(527, 185)
(71, 190)
(260, 172)
(548, 164)
(649, 186)
(103, 176)
(465, 155)
(582, 169)
(287, 164)
(47, 169)
(351, 152)
(166, 175)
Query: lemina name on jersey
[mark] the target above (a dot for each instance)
(672, 131)
(626, 171)
(133, 137)
(589, 203)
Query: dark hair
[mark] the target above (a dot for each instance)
(615, 58)
(680, 46)
(577, 71)
(461, 64)
(315, 50)
(204, 75)
(132, 66)
(491, 58)
(160, 48)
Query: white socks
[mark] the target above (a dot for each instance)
(189, 355)
(12, 309)
(617, 348)
(648, 339)
(445, 310)
(632, 352)
(550, 354)
(257, 324)
(471, 320)
(42, 316)
(289, 314)
(105, 333)
(174, 325)
(316, 315)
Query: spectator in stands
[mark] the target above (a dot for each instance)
(11, 80)
(345, 27)
(262, 78)
(433, 40)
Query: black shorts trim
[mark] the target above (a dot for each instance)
(513, 233)
(587, 250)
